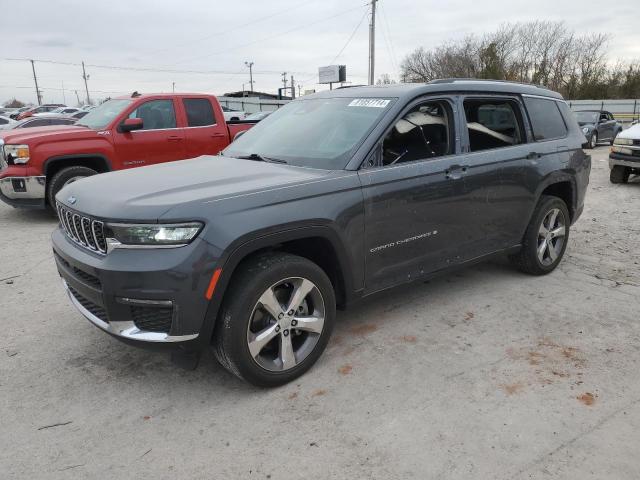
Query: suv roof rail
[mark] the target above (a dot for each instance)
(453, 80)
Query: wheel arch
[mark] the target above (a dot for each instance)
(320, 244)
(563, 186)
(95, 161)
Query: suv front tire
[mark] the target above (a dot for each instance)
(276, 319)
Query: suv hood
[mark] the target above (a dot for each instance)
(35, 135)
(146, 193)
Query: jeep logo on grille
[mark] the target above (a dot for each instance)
(72, 200)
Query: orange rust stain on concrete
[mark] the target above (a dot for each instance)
(345, 369)
(513, 388)
(318, 393)
(587, 399)
(364, 329)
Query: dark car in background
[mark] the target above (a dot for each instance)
(48, 107)
(14, 115)
(597, 126)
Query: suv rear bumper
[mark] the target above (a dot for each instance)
(144, 297)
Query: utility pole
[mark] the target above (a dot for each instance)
(78, 98)
(86, 87)
(372, 42)
(35, 80)
(299, 90)
(250, 65)
(293, 89)
(173, 87)
(64, 98)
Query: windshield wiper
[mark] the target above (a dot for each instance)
(261, 158)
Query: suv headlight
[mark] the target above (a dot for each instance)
(585, 130)
(19, 153)
(151, 235)
(623, 141)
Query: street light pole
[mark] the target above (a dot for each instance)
(372, 42)
(250, 65)
(86, 87)
(35, 79)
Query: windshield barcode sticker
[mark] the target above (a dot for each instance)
(369, 102)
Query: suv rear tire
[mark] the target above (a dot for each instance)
(593, 141)
(63, 178)
(275, 320)
(545, 239)
(619, 174)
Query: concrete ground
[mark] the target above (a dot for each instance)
(485, 374)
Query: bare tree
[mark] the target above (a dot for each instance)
(540, 52)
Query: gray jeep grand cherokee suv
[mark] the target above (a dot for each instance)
(334, 197)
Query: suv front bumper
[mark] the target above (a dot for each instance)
(141, 296)
(632, 161)
(28, 192)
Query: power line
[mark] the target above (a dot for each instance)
(386, 32)
(270, 37)
(343, 47)
(153, 69)
(232, 29)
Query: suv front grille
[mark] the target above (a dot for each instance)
(84, 231)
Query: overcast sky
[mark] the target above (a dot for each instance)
(220, 35)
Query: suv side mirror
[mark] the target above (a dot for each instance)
(130, 124)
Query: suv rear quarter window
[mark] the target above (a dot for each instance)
(546, 120)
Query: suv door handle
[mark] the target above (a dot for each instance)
(174, 138)
(217, 135)
(533, 156)
(455, 172)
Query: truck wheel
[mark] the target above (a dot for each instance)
(275, 320)
(619, 174)
(546, 237)
(63, 178)
(593, 141)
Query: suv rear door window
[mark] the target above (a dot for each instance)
(492, 123)
(546, 120)
(199, 112)
(156, 114)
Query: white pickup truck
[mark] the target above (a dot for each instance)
(624, 158)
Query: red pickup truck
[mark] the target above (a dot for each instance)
(124, 132)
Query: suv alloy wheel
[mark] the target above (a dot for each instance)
(276, 319)
(546, 237)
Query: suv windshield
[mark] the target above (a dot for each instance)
(101, 116)
(318, 133)
(587, 117)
